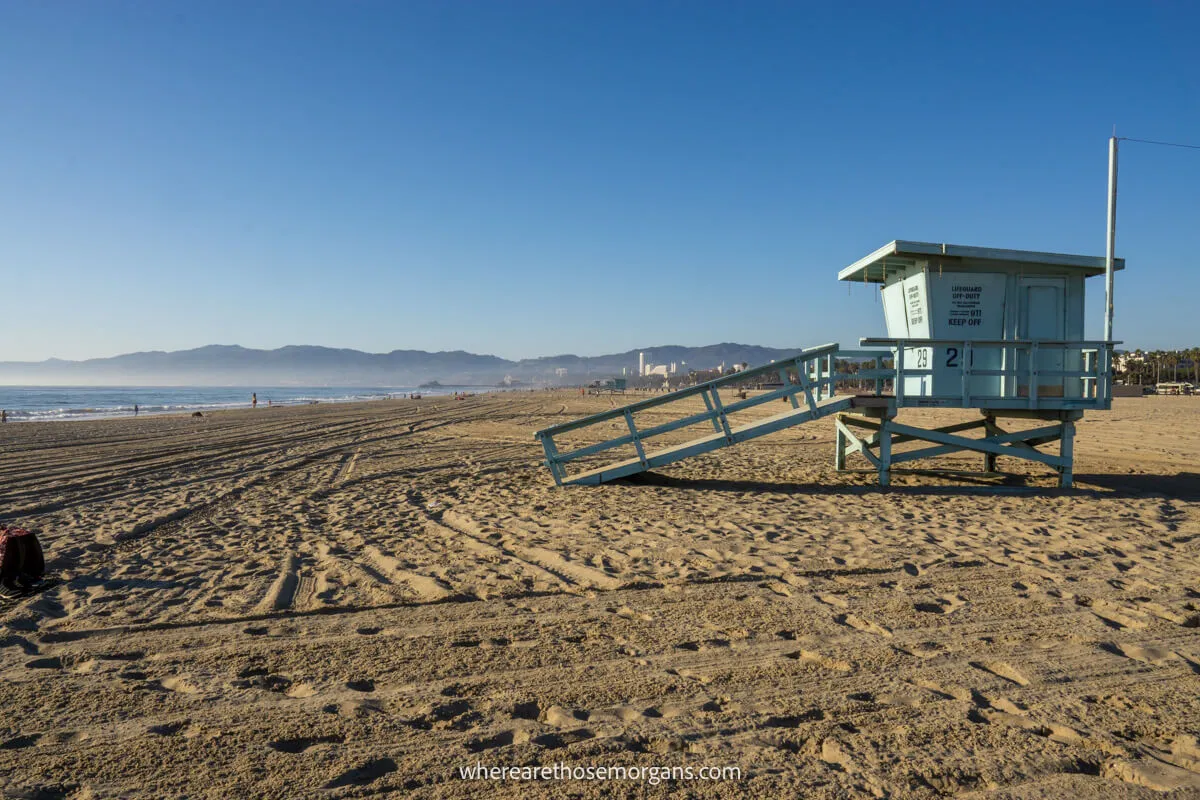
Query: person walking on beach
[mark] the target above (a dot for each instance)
(135, 409)
(4, 415)
(254, 399)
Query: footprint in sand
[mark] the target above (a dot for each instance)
(1156, 656)
(53, 662)
(1002, 670)
(367, 773)
(1155, 775)
(553, 741)
(946, 604)
(942, 692)
(20, 742)
(1057, 732)
(666, 711)
(690, 675)
(813, 657)
(832, 600)
(794, 720)
(175, 683)
(625, 612)
(1162, 612)
(720, 705)
(706, 644)
(864, 625)
(501, 739)
(294, 746)
(1111, 614)
(529, 710)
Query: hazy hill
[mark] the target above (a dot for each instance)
(309, 365)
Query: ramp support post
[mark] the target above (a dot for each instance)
(708, 403)
(637, 439)
(556, 469)
(839, 449)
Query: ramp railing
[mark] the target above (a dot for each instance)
(807, 382)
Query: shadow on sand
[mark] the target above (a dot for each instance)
(1181, 486)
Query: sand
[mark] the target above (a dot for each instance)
(350, 600)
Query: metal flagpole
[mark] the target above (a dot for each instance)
(1112, 237)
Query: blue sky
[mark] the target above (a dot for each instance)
(532, 178)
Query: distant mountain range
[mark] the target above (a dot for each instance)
(231, 365)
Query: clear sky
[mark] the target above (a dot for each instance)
(533, 178)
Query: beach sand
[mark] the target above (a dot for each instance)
(348, 600)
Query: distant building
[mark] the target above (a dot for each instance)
(646, 368)
(561, 372)
(1122, 361)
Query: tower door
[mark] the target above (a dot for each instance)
(1043, 316)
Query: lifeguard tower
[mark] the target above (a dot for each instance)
(968, 327)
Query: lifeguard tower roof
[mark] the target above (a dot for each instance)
(899, 255)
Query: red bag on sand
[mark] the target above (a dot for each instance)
(21, 558)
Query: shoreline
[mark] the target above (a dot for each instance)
(19, 415)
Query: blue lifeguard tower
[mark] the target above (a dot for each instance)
(968, 327)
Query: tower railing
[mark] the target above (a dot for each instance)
(1020, 365)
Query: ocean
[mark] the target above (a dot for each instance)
(41, 403)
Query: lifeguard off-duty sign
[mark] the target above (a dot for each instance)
(953, 305)
(927, 304)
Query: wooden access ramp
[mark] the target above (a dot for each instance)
(806, 383)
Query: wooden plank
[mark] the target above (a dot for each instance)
(783, 377)
(592, 449)
(716, 423)
(724, 420)
(945, 449)
(876, 426)
(981, 445)
(856, 445)
(680, 423)
(767, 397)
(633, 431)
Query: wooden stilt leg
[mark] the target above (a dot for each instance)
(885, 453)
(1066, 451)
(989, 459)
